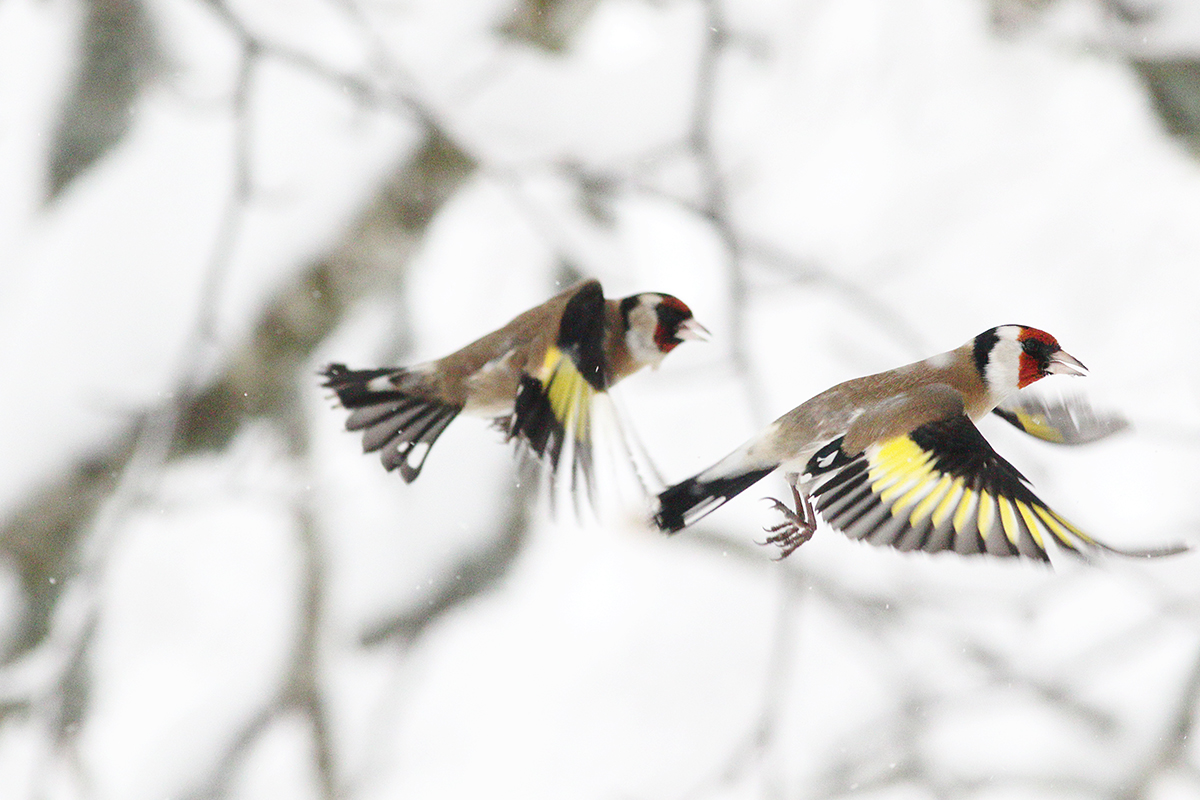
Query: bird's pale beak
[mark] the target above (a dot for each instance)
(1063, 363)
(692, 330)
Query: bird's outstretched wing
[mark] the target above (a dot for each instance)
(942, 487)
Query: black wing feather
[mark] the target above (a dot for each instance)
(581, 334)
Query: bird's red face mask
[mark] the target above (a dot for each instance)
(1041, 355)
(675, 324)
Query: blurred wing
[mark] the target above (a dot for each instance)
(577, 430)
(554, 399)
(941, 487)
(1063, 421)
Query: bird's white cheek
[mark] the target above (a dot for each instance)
(642, 348)
(1004, 369)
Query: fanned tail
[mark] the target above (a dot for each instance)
(401, 426)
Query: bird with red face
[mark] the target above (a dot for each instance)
(895, 458)
(538, 377)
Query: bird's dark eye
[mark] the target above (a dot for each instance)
(1038, 349)
(670, 317)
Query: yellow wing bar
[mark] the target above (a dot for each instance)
(568, 392)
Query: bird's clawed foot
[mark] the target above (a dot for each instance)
(797, 527)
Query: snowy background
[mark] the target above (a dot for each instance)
(207, 591)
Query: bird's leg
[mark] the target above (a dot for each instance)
(797, 527)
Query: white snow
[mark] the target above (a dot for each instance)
(895, 177)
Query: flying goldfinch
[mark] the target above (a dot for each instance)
(895, 458)
(538, 377)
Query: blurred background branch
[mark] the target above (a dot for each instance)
(208, 592)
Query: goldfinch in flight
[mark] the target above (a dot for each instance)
(538, 377)
(895, 458)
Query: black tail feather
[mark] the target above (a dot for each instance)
(409, 449)
(353, 385)
(366, 416)
(688, 501)
(402, 427)
(403, 416)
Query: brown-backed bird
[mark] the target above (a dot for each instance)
(538, 377)
(895, 458)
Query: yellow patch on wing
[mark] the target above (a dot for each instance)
(1008, 518)
(1038, 425)
(569, 393)
(932, 498)
(963, 514)
(987, 514)
(948, 503)
(1031, 523)
(898, 457)
(898, 467)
